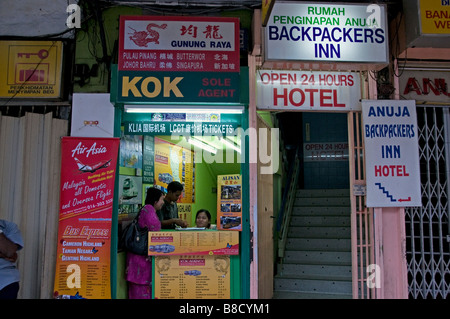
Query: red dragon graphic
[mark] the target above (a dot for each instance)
(142, 38)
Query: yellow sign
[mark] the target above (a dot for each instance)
(229, 202)
(266, 8)
(435, 16)
(203, 242)
(30, 69)
(192, 277)
(185, 212)
(174, 163)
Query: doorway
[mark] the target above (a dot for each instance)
(317, 261)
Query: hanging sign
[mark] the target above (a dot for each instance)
(391, 153)
(330, 152)
(86, 202)
(30, 69)
(186, 44)
(306, 90)
(327, 32)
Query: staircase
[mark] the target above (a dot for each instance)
(317, 262)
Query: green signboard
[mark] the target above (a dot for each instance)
(179, 128)
(178, 87)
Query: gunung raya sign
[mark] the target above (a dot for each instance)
(187, 44)
(327, 32)
(392, 153)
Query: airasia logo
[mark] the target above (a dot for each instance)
(93, 150)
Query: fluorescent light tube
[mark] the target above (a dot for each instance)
(202, 145)
(232, 145)
(182, 109)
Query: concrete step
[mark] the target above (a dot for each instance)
(322, 201)
(336, 221)
(309, 295)
(319, 232)
(318, 244)
(317, 260)
(321, 211)
(322, 193)
(316, 272)
(299, 284)
(318, 257)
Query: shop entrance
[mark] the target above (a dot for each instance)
(317, 261)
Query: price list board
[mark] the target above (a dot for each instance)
(193, 243)
(192, 277)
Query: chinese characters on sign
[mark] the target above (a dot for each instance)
(179, 44)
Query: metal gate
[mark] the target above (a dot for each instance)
(428, 227)
(362, 224)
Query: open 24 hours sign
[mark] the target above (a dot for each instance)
(308, 90)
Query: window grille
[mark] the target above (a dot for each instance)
(427, 227)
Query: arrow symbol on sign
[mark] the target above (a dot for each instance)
(405, 200)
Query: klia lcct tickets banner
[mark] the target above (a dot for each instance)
(88, 171)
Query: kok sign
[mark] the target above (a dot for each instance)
(303, 90)
(161, 43)
(327, 32)
(392, 153)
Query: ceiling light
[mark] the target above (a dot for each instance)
(202, 145)
(231, 109)
(232, 145)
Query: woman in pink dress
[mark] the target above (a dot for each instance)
(139, 268)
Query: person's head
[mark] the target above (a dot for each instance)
(174, 190)
(203, 218)
(155, 197)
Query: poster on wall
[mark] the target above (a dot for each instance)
(174, 163)
(130, 150)
(192, 277)
(229, 202)
(88, 173)
(391, 153)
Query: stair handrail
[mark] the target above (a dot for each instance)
(284, 216)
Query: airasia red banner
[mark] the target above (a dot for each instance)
(88, 171)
